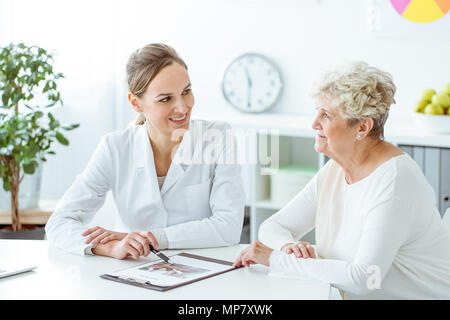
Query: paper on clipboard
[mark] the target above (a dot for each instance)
(160, 275)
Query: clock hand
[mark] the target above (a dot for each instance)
(248, 77)
(249, 92)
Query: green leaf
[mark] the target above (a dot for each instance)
(5, 99)
(50, 116)
(61, 139)
(29, 168)
(38, 114)
(71, 127)
(6, 185)
(33, 149)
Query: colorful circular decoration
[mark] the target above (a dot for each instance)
(421, 11)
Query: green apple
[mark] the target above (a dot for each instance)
(446, 89)
(427, 94)
(441, 99)
(434, 109)
(420, 106)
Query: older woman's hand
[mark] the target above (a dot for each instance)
(256, 253)
(301, 249)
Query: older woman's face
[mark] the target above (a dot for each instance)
(333, 137)
(167, 103)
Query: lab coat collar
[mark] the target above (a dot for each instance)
(173, 175)
(143, 154)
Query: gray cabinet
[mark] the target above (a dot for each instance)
(435, 163)
(445, 181)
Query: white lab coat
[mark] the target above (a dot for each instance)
(200, 204)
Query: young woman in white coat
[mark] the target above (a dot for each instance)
(175, 181)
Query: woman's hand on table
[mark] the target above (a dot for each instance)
(98, 235)
(134, 245)
(256, 253)
(301, 249)
(121, 245)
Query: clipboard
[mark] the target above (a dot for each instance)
(159, 269)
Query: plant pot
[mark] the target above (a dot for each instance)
(32, 232)
(29, 192)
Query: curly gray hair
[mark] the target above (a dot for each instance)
(359, 91)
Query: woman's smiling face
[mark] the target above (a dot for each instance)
(167, 103)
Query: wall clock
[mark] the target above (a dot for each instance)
(252, 83)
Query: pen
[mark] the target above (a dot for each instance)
(160, 255)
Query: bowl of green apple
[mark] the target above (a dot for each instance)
(432, 112)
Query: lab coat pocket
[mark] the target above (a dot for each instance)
(196, 199)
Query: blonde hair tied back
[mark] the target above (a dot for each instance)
(140, 119)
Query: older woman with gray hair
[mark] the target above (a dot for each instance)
(378, 232)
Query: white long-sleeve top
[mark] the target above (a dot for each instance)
(379, 238)
(200, 204)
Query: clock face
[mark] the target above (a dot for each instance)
(251, 83)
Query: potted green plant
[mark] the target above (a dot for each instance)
(29, 94)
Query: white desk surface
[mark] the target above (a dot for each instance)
(62, 275)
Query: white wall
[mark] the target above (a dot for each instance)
(95, 39)
(5, 22)
(302, 39)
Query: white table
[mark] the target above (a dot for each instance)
(62, 275)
